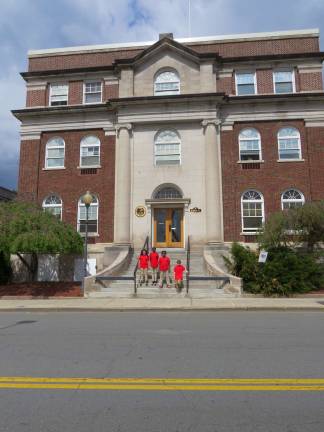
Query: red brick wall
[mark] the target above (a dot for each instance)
(28, 170)
(69, 183)
(310, 81)
(75, 93)
(226, 85)
(232, 49)
(273, 177)
(35, 98)
(111, 91)
(315, 143)
(265, 81)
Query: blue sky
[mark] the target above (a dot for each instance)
(36, 24)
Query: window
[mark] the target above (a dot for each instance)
(252, 208)
(90, 152)
(250, 145)
(92, 216)
(292, 198)
(54, 154)
(245, 83)
(167, 148)
(53, 204)
(59, 94)
(168, 192)
(167, 83)
(92, 92)
(289, 143)
(284, 82)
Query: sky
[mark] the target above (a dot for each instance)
(38, 24)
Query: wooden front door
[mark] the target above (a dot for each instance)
(168, 227)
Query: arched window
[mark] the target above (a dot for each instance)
(92, 216)
(252, 208)
(289, 143)
(54, 154)
(168, 192)
(90, 151)
(167, 148)
(292, 198)
(250, 145)
(53, 204)
(167, 82)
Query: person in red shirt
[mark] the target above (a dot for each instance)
(164, 267)
(143, 263)
(154, 262)
(178, 271)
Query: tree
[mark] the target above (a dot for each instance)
(27, 229)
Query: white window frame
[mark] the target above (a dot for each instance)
(292, 71)
(83, 145)
(241, 72)
(51, 93)
(85, 93)
(96, 204)
(251, 231)
(289, 137)
(157, 142)
(250, 139)
(166, 92)
(292, 200)
(48, 207)
(54, 147)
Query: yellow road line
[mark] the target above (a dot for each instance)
(158, 387)
(164, 381)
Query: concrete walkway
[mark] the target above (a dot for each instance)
(169, 304)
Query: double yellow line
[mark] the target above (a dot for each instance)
(164, 384)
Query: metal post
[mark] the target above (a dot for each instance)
(85, 258)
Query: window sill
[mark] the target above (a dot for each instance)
(250, 161)
(54, 168)
(250, 233)
(93, 103)
(290, 160)
(89, 166)
(89, 234)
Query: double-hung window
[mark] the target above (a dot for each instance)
(167, 148)
(284, 81)
(92, 92)
(289, 144)
(59, 94)
(54, 153)
(250, 145)
(245, 83)
(252, 208)
(90, 152)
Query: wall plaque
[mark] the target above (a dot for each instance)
(140, 211)
(195, 210)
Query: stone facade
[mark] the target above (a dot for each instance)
(206, 115)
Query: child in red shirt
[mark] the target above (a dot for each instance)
(164, 267)
(154, 262)
(143, 263)
(178, 271)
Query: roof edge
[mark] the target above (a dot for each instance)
(287, 34)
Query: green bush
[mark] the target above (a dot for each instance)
(286, 271)
(5, 268)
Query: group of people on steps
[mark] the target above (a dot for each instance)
(160, 266)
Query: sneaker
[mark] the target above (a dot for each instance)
(169, 286)
(160, 286)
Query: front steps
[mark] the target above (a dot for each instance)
(197, 288)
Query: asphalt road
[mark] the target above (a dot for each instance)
(233, 345)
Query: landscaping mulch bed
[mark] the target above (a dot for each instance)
(41, 289)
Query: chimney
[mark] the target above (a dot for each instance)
(165, 35)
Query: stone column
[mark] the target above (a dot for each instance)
(123, 185)
(213, 182)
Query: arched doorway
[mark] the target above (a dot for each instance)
(168, 212)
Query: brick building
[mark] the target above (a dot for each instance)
(202, 136)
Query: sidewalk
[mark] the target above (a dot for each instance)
(166, 304)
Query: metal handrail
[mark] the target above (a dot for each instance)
(145, 246)
(188, 265)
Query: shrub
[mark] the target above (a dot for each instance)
(285, 272)
(5, 268)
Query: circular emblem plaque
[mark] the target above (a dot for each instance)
(140, 211)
